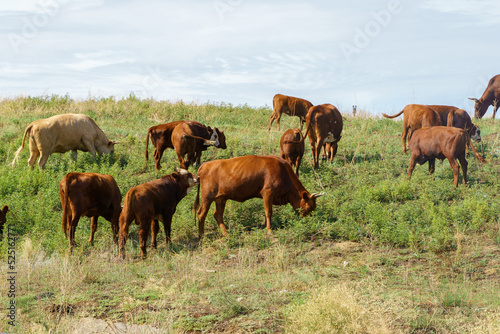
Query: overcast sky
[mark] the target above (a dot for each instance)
(379, 55)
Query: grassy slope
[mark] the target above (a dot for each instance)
(412, 255)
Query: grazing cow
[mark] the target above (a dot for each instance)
(289, 105)
(439, 142)
(292, 147)
(191, 138)
(416, 116)
(491, 97)
(239, 179)
(458, 118)
(324, 125)
(90, 195)
(63, 133)
(3, 219)
(148, 202)
(161, 138)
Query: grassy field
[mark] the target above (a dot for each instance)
(381, 254)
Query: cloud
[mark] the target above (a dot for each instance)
(483, 12)
(92, 60)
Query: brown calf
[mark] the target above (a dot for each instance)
(148, 202)
(439, 142)
(91, 195)
(161, 139)
(289, 105)
(292, 147)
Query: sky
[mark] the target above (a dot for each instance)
(378, 55)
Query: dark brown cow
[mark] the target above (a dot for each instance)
(289, 105)
(161, 138)
(191, 138)
(491, 97)
(439, 142)
(239, 179)
(416, 116)
(91, 195)
(458, 118)
(3, 218)
(148, 202)
(292, 147)
(324, 125)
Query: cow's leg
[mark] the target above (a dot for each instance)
(202, 215)
(297, 164)
(220, 205)
(432, 165)
(43, 160)
(463, 164)
(114, 225)
(155, 228)
(74, 154)
(73, 224)
(454, 166)
(317, 152)
(93, 227)
(34, 153)
(158, 154)
(302, 120)
(90, 146)
(333, 150)
(144, 227)
(268, 209)
(278, 118)
(403, 137)
(413, 162)
(124, 224)
(167, 226)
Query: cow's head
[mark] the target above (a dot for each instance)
(222, 139)
(107, 148)
(186, 178)
(308, 203)
(474, 133)
(479, 107)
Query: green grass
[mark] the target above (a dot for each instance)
(419, 254)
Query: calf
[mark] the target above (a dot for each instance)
(416, 116)
(239, 179)
(148, 202)
(161, 139)
(91, 195)
(324, 125)
(292, 147)
(289, 105)
(3, 219)
(191, 138)
(439, 142)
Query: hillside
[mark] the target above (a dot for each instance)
(379, 254)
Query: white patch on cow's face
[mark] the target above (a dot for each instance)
(215, 138)
(329, 138)
(192, 181)
(181, 171)
(477, 135)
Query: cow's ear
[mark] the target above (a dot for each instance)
(112, 142)
(5, 209)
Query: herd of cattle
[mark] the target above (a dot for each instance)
(435, 132)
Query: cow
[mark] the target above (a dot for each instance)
(191, 138)
(161, 138)
(3, 219)
(292, 147)
(440, 142)
(90, 195)
(459, 118)
(415, 117)
(63, 133)
(289, 105)
(490, 97)
(324, 125)
(148, 202)
(239, 179)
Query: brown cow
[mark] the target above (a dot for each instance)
(3, 219)
(324, 125)
(63, 133)
(239, 179)
(289, 105)
(491, 97)
(458, 118)
(439, 142)
(416, 116)
(91, 195)
(161, 138)
(148, 202)
(292, 147)
(191, 138)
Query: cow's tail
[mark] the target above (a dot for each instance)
(196, 204)
(308, 126)
(18, 152)
(206, 142)
(146, 154)
(478, 157)
(398, 114)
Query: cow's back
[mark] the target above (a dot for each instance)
(439, 140)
